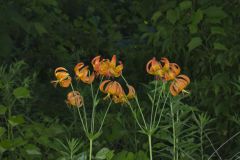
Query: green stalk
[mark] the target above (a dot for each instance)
(153, 104)
(174, 133)
(105, 116)
(135, 116)
(90, 149)
(150, 145)
(93, 110)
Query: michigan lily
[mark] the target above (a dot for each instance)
(74, 99)
(63, 77)
(179, 84)
(82, 73)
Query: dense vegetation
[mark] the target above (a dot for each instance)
(37, 36)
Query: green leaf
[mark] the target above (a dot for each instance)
(185, 5)
(40, 28)
(21, 92)
(197, 17)
(156, 15)
(192, 28)
(215, 12)
(3, 109)
(32, 150)
(194, 43)
(2, 131)
(219, 46)
(102, 154)
(172, 16)
(16, 120)
(217, 30)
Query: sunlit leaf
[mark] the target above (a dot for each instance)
(16, 120)
(194, 43)
(21, 92)
(185, 5)
(172, 16)
(219, 46)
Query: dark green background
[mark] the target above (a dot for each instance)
(202, 36)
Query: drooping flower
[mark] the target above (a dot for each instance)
(115, 91)
(153, 67)
(74, 99)
(82, 73)
(164, 70)
(63, 77)
(170, 70)
(179, 84)
(107, 68)
(115, 70)
(111, 88)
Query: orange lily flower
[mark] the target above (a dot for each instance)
(170, 70)
(111, 88)
(82, 73)
(167, 71)
(75, 99)
(179, 84)
(107, 68)
(153, 67)
(115, 70)
(63, 77)
(114, 89)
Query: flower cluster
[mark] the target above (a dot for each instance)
(107, 68)
(102, 67)
(167, 71)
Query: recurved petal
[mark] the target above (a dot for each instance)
(166, 63)
(96, 62)
(131, 92)
(113, 60)
(175, 68)
(102, 86)
(153, 66)
(88, 79)
(60, 69)
(78, 67)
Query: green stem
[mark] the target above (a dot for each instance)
(79, 113)
(94, 105)
(105, 115)
(139, 107)
(150, 146)
(93, 110)
(153, 104)
(90, 149)
(174, 134)
(158, 101)
(162, 111)
(135, 116)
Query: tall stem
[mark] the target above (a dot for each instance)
(150, 146)
(105, 116)
(153, 104)
(90, 149)
(174, 134)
